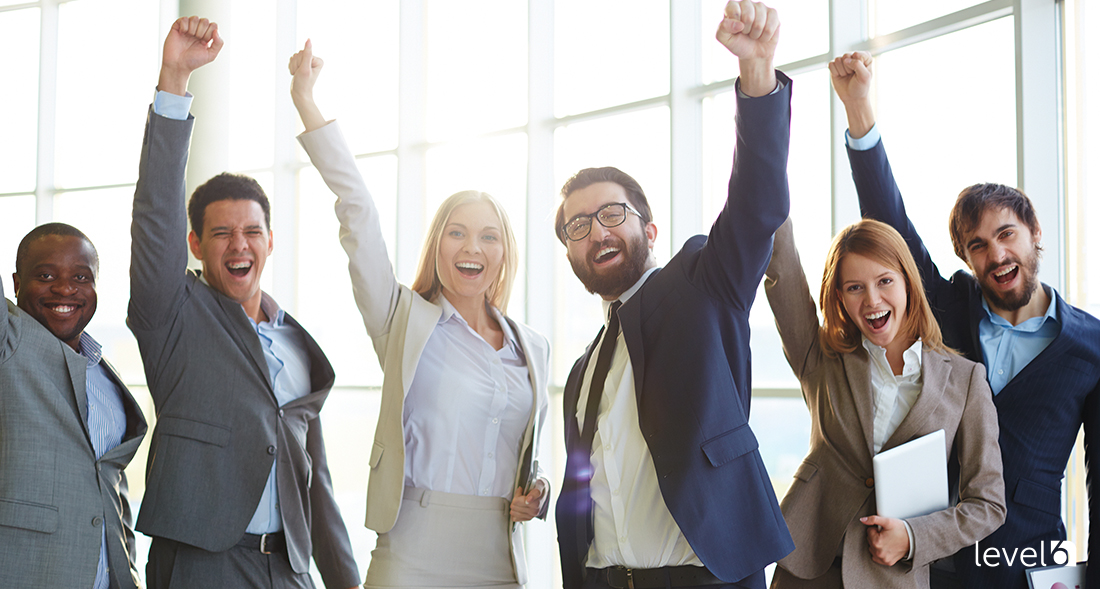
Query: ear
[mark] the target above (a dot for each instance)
(193, 241)
(270, 241)
(1035, 239)
(15, 282)
(651, 234)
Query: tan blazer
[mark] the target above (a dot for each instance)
(834, 486)
(399, 322)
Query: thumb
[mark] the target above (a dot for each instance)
(862, 71)
(874, 520)
(518, 494)
(535, 494)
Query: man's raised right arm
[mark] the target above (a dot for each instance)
(159, 248)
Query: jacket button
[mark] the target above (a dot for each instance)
(97, 521)
(271, 450)
(870, 483)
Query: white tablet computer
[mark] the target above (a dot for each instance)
(911, 479)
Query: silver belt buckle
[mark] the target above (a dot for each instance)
(630, 578)
(263, 544)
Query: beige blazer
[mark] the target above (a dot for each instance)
(399, 322)
(834, 486)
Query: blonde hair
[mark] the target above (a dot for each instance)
(883, 244)
(427, 282)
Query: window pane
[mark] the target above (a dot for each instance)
(16, 219)
(477, 66)
(498, 166)
(888, 16)
(326, 306)
(359, 43)
(782, 426)
(936, 148)
(102, 92)
(104, 216)
(252, 94)
(638, 144)
(804, 33)
(597, 64)
(19, 149)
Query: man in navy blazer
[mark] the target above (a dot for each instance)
(669, 490)
(1042, 355)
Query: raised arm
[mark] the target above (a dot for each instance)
(789, 296)
(879, 195)
(737, 251)
(372, 280)
(159, 246)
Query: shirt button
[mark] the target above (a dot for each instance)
(97, 521)
(490, 455)
(495, 420)
(615, 492)
(622, 539)
(869, 482)
(271, 450)
(1000, 372)
(281, 413)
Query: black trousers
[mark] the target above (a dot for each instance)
(174, 565)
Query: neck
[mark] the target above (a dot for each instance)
(253, 309)
(472, 309)
(1036, 307)
(650, 264)
(895, 353)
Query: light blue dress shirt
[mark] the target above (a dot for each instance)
(106, 425)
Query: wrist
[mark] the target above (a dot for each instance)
(861, 116)
(173, 80)
(757, 77)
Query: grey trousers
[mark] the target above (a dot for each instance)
(173, 565)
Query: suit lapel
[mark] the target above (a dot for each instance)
(630, 323)
(423, 317)
(241, 329)
(935, 370)
(136, 426)
(857, 367)
(78, 375)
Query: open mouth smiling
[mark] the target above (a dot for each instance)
(63, 309)
(877, 320)
(1006, 275)
(239, 269)
(605, 254)
(469, 268)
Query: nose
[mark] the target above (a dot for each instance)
(598, 232)
(63, 287)
(472, 244)
(238, 242)
(874, 297)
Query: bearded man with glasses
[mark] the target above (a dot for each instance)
(664, 484)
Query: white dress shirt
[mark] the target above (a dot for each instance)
(467, 410)
(633, 527)
(894, 395)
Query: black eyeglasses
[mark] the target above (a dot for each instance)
(610, 215)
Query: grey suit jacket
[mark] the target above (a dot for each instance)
(834, 486)
(399, 322)
(54, 494)
(219, 426)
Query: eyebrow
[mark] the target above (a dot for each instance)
(228, 228)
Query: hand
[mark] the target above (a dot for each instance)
(526, 507)
(305, 68)
(851, 75)
(192, 42)
(887, 539)
(750, 31)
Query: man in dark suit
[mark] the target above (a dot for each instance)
(1042, 355)
(68, 426)
(239, 493)
(664, 485)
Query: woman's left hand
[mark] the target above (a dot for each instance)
(887, 538)
(526, 507)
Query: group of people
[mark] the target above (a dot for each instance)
(664, 483)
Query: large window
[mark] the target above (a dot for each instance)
(512, 98)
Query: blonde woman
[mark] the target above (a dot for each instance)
(464, 393)
(876, 374)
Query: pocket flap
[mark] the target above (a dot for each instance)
(1036, 496)
(805, 472)
(194, 430)
(28, 516)
(376, 454)
(730, 445)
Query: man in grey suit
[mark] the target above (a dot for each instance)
(238, 491)
(68, 426)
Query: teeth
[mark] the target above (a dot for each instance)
(1005, 271)
(64, 309)
(605, 251)
(874, 316)
(239, 265)
(470, 265)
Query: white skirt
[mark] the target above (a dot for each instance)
(445, 540)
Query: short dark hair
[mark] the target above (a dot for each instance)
(589, 176)
(975, 200)
(61, 229)
(226, 186)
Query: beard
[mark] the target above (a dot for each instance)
(1016, 298)
(635, 253)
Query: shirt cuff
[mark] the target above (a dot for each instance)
(779, 85)
(909, 530)
(172, 106)
(866, 142)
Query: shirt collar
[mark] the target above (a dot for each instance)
(623, 298)
(450, 313)
(1032, 324)
(911, 356)
(90, 349)
(267, 305)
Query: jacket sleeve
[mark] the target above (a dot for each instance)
(1092, 464)
(981, 507)
(331, 544)
(736, 253)
(789, 296)
(372, 279)
(158, 253)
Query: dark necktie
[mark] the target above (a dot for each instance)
(588, 431)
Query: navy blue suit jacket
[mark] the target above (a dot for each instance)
(1039, 411)
(687, 333)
